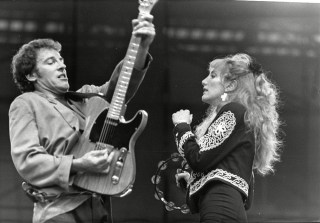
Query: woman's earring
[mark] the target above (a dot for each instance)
(224, 97)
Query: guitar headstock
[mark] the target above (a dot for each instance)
(145, 6)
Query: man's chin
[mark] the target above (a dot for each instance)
(64, 90)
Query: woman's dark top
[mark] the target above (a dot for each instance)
(224, 153)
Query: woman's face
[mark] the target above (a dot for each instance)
(213, 86)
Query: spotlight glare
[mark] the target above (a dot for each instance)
(292, 1)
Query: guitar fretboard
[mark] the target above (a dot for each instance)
(119, 95)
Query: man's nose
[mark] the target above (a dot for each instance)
(62, 65)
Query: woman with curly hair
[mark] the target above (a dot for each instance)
(238, 135)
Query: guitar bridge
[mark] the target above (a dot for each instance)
(119, 166)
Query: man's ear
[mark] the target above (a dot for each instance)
(231, 86)
(31, 77)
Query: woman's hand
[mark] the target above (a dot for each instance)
(182, 116)
(182, 178)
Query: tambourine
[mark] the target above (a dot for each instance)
(179, 162)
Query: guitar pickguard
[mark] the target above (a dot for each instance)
(118, 134)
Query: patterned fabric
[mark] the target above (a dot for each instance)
(218, 132)
(224, 153)
(183, 139)
(217, 174)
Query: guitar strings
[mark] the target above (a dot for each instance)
(106, 133)
(108, 129)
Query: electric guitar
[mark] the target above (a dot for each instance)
(106, 128)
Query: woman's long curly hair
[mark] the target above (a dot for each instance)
(25, 60)
(260, 97)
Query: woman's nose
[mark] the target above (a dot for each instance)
(204, 81)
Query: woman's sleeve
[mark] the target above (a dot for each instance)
(220, 139)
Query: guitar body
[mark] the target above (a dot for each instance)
(106, 128)
(124, 136)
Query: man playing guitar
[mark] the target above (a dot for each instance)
(47, 121)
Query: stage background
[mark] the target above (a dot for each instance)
(284, 37)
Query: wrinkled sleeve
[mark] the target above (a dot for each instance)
(205, 153)
(108, 88)
(31, 160)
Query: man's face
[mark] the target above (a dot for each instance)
(50, 72)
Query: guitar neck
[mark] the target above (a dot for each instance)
(118, 98)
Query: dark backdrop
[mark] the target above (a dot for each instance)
(284, 37)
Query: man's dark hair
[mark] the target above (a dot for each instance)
(25, 61)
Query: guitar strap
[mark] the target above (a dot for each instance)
(77, 96)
